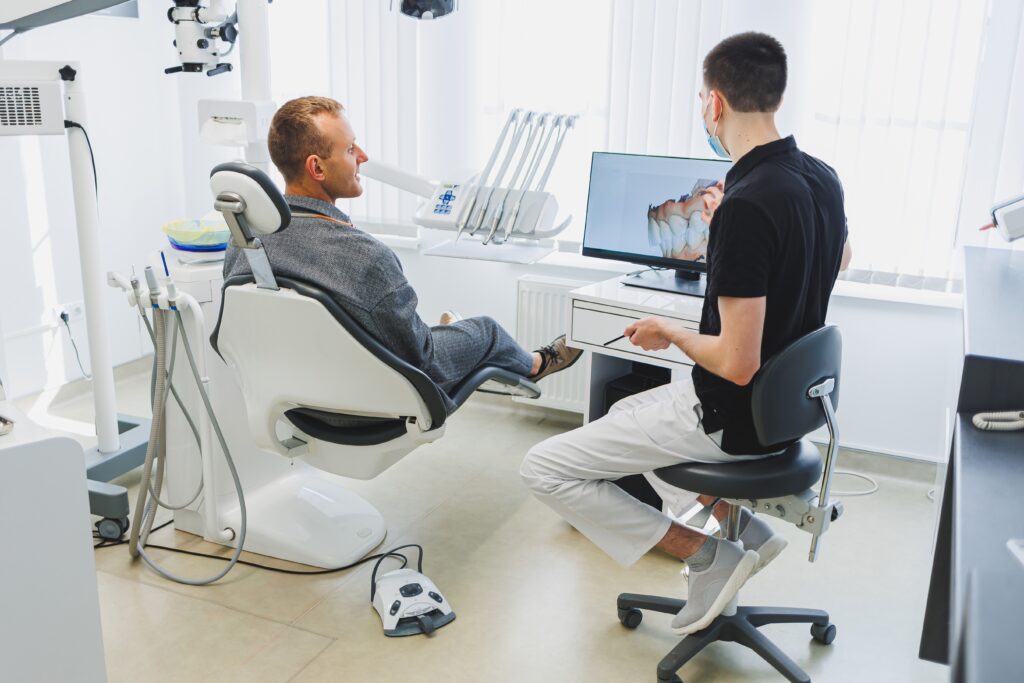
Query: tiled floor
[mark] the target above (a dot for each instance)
(535, 600)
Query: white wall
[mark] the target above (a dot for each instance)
(135, 127)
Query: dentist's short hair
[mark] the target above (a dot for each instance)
(294, 134)
(749, 69)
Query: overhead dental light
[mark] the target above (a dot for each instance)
(426, 9)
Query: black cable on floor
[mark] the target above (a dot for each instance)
(370, 558)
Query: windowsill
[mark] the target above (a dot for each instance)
(569, 259)
(399, 241)
(898, 295)
(847, 289)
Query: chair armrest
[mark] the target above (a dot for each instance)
(503, 381)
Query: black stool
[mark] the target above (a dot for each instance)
(794, 393)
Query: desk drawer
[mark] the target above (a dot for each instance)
(595, 324)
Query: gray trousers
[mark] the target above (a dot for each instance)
(465, 345)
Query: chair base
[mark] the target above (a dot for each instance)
(740, 627)
(307, 517)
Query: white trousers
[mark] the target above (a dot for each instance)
(573, 472)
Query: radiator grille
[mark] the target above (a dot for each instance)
(20, 106)
(542, 313)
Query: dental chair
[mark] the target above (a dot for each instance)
(317, 387)
(794, 393)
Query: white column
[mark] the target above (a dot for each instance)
(254, 61)
(450, 94)
(93, 281)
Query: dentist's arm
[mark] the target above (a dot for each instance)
(734, 355)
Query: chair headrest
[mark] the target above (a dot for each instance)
(265, 210)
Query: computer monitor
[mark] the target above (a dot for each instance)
(648, 210)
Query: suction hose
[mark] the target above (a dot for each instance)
(150, 488)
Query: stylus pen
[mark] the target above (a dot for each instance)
(621, 336)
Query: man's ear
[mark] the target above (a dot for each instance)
(314, 168)
(718, 104)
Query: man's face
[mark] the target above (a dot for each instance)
(341, 169)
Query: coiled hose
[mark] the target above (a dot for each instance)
(148, 500)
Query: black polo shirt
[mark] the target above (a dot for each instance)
(778, 233)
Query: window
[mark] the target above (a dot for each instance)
(883, 91)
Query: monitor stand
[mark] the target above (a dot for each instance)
(688, 282)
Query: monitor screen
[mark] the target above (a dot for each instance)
(650, 209)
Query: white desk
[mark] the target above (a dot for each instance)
(600, 312)
(49, 606)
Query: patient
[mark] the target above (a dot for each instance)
(313, 146)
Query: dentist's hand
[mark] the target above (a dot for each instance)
(712, 197)
(650, 334)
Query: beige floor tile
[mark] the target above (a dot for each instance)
(155, 635)
(535, 600)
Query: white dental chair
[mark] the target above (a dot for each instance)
(317, 387)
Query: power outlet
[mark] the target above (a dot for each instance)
(74, 309)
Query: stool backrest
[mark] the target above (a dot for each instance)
(783, 410)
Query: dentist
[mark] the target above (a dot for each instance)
(777, 242)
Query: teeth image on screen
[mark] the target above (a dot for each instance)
(650, 206)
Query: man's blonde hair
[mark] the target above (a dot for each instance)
(294, 134)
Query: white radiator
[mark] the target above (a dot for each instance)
(542, 313)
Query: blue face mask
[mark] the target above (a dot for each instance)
(713, 141)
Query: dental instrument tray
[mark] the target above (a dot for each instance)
(506, 202)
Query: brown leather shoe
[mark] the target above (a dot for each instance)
(555, 357)
(448, 317)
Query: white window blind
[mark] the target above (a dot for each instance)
(888, 92)
(892, 99)
(995, 157)
(365, 57)
(549, 57)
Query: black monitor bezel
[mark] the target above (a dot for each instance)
(640, 259)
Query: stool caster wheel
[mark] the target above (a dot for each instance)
(111, 529)
(823, 634)
(675, 679)
(631, 618)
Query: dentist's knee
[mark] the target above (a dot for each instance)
(536, 472)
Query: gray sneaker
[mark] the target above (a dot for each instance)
(711, 590)
(759, 537)
(555, 357)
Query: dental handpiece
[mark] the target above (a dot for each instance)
(528, 149)
(510, 224)
(481, 212)
(474, 189)
(567, 123)
(154, 286)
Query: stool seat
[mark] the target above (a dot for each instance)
(793, 471)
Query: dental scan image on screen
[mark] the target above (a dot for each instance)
(650, 206)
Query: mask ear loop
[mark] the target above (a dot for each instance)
(714, 133)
